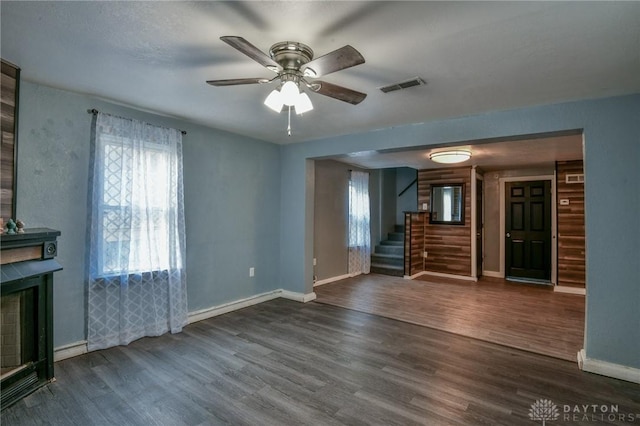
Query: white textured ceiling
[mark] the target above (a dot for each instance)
(475, 57)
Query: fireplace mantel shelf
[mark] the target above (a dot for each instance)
(29, 234)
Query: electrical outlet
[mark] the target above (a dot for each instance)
(424, 255)
(252, 272)
(315, 261)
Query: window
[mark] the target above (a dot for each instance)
(135, 204)
(358, 214)
(135, 209)
(359, 228)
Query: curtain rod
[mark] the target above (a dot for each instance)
(95, 111)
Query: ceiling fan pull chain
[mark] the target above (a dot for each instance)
(289, 124)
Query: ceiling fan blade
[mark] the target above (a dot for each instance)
(251, 51)
(339, 59)
(237, 81)
(337, 92)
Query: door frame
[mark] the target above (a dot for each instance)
(554, 241)
(474, 225)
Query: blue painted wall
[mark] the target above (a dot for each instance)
(250, 203)
(232, 201)
(407, 202)
(612, 167)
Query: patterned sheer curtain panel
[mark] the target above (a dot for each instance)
(136, 233)
(359, 224)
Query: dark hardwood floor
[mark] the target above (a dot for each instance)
(522, 316)
(287, 363)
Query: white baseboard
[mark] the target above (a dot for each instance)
(455, 277)
(80, 348)
(249, 301)
(608, 369)
(332, 279)
(298, 297)
(414, 276)
(70, 350)
(570, 290)
(214, 311)
(581, 357)
(494, 274)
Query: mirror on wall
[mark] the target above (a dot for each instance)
(447, 204)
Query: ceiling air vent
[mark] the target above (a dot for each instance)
(416, 81)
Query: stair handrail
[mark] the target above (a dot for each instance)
(408, 186)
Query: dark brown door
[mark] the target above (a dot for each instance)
(528, 230)
(479, 227)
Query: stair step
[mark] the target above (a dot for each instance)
(394, 267)
(387, 259)
(395, 236)
(396, 249)
(394, 271)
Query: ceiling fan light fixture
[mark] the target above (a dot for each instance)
(290, 93)
(274, 101)
(450, 157)
(303, 104)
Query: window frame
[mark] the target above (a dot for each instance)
(105, 140)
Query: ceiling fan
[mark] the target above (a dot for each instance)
(294, 65)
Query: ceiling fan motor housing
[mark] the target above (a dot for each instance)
(291, 55)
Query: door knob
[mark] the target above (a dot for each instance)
(508, 234)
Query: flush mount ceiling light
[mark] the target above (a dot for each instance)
(450, 157)
(294, 64)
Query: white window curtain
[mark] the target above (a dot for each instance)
(136, 277)
(359, 224)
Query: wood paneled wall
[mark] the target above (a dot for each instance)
(10, 78)
(571, 235)
(448, 246)
(414, 223)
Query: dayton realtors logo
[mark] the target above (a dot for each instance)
(597, 413)
(545, 410)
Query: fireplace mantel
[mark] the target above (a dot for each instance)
(26, 284)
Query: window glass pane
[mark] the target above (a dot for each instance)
(136, 210)
(358, 214)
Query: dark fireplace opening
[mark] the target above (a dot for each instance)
(17, 332)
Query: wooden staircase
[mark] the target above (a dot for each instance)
(388, 256)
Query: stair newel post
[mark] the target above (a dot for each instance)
(407, 244)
